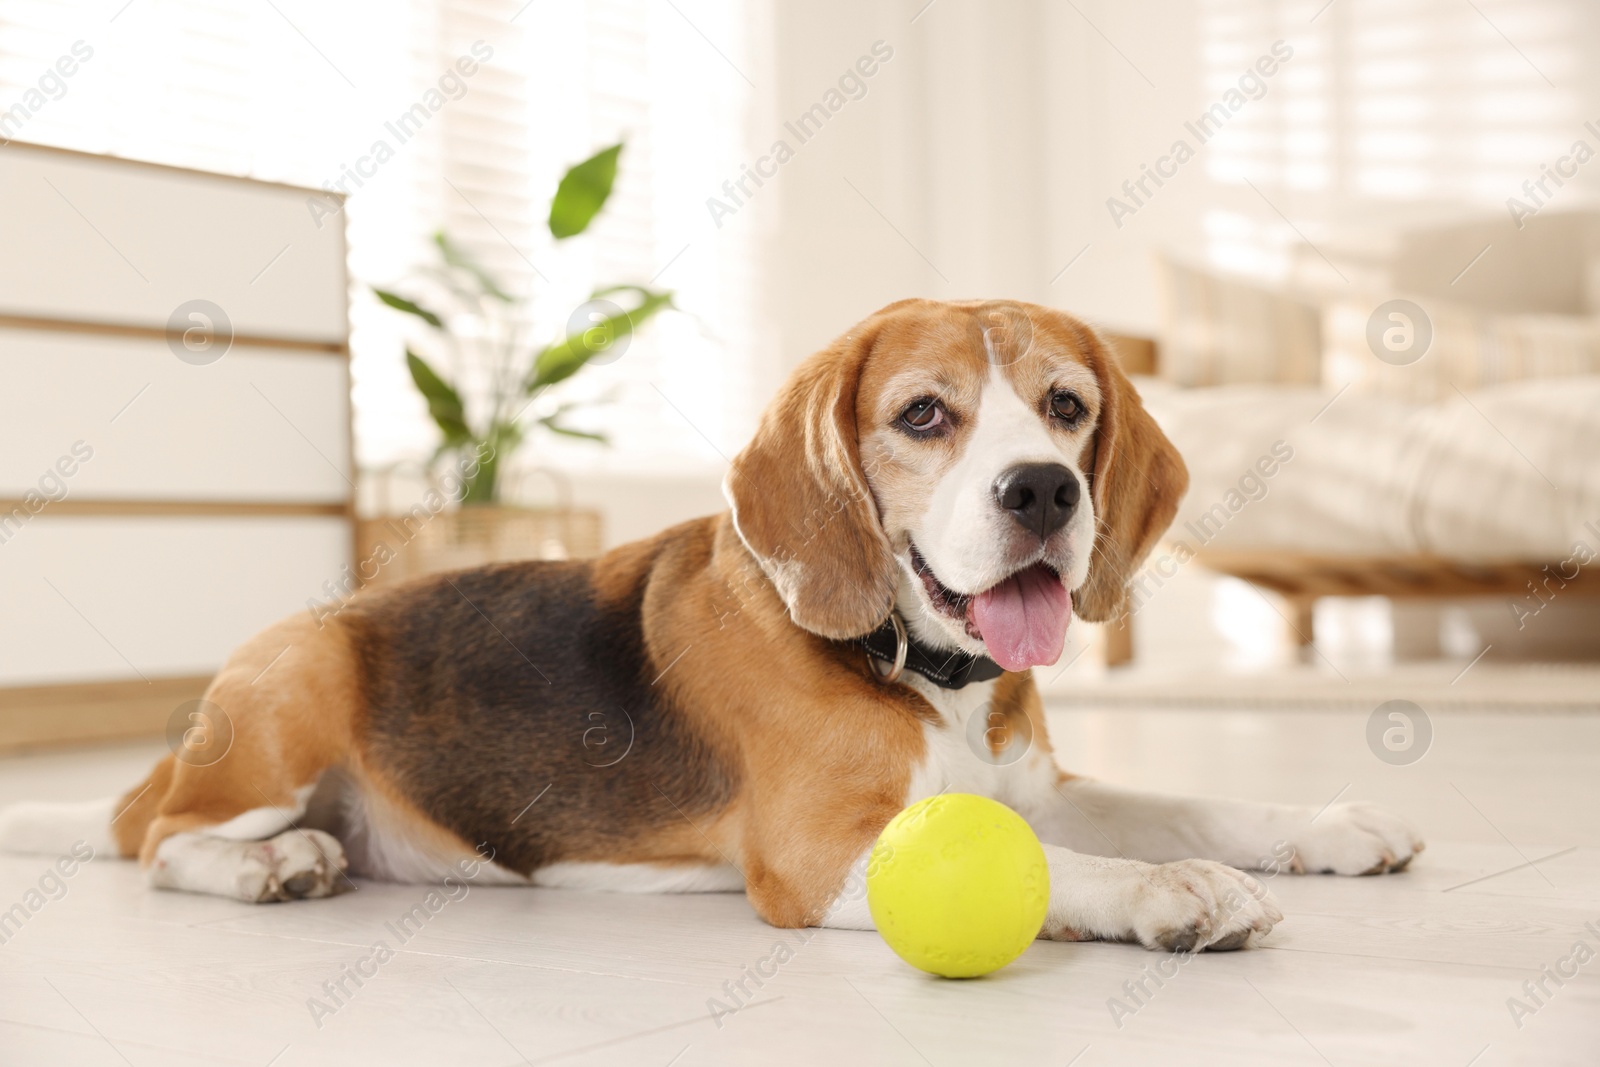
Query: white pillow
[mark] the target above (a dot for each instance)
(1218, 330)
(1468, 350)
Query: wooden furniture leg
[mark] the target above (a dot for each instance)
(1302, 630)
(1119, 640)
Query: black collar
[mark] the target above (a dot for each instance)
(948, 670)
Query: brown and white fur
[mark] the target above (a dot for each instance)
(745, 742)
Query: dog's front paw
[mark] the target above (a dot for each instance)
(1199, 904)
(1354, 839)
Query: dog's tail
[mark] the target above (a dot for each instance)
(111, 826)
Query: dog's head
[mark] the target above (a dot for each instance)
(984, 466)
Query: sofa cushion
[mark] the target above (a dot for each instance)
(1501, 473)
(1221, 330)
(1468, 350)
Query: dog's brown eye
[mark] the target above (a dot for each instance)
(923, 415)
(1064, 405)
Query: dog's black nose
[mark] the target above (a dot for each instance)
(1040, 496)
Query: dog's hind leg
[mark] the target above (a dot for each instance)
(298, 863)
(226, 813)
(262, 854)
(231, 822)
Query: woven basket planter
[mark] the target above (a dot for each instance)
(399, 545)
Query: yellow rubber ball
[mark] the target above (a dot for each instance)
(957, 885)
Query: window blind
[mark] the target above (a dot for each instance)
(1388, 108)
(301, 92)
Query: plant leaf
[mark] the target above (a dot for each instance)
(583, 192)
(410, 307)
(444, 403)
(567, 356)
(454, 256)
(549, 422)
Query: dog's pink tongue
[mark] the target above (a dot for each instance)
(1023, 620)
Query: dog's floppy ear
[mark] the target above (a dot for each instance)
(1138, 480)
(801, 503)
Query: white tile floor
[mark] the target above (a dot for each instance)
(1413, 968)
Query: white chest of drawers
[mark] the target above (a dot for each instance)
(171, 479)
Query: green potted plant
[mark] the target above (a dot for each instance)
(481, 331)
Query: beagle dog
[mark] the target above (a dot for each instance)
(745, 700)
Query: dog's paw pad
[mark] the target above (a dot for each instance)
(295, 865)
(1230, 942)
(312, 864)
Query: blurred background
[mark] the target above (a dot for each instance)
(1349, 247)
